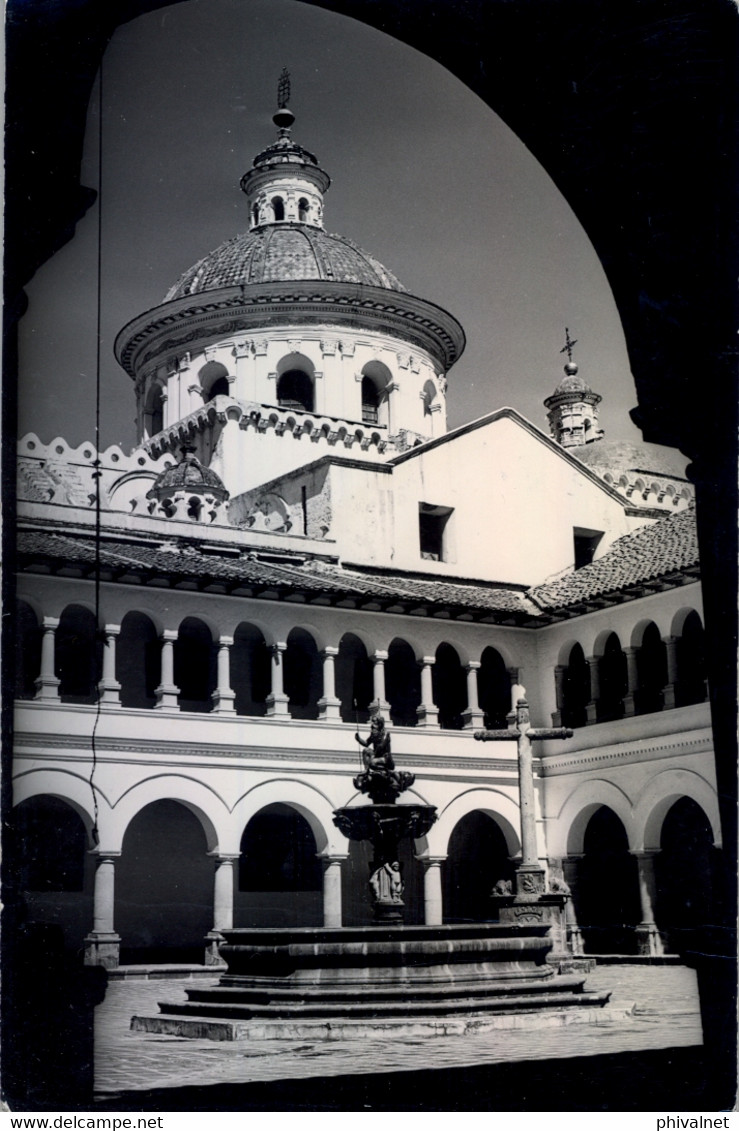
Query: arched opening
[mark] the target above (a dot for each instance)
(213, 378)
(494, 688)
(78, 655)
(250, 671)
(303, 209)
(370, 401)
(355, 892)
(194, 665)
(255, 215)
(428, 396)
(55, 871)
(686, 874)
(613, 680)
(278, 208)
(303, 681)
(154, 416)
(651, 669)
(354, 684)
(164, 886)
(690, 654)
(477, 858)
(138, 661)
(27, 650)
(280, 875)
(219, 388)
(575, 689)
(402, 684)
(295, 390)
(449, 687)
(607, 890)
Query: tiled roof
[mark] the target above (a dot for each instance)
(283, 579)
(283, 252)
(649, 554)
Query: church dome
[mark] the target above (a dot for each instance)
(625, 456)
(188, 475)
(277, 253)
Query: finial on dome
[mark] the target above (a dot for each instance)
(284, 118)
(571, 366)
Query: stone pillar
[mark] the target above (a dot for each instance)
(102, 945)
(329, 707)
(223, 697)
(592, 706)
(668, 693)
(167, 692)
(223, 906)
(632, 678)
(433, 909)
(559, 693)
(649, 939)
(332, 888)
(428, 712)
(379, 705)
(472, 717)
(108, 688)
(47, 684)
(277, 700)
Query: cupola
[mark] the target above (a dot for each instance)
(188, 490)
(573, 406)
(285, 184)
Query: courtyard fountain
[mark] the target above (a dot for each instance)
(407, 979)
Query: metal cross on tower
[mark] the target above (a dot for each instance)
(521, 732)
(569, 343)
(283, 89)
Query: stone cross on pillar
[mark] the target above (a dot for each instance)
(530, 878)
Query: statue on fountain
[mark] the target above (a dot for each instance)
(380, 779)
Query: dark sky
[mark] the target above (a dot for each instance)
(425, 177)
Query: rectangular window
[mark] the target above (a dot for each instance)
(586, 544)
(434, 532)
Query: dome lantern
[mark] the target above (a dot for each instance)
(573, 406)
(285, 184)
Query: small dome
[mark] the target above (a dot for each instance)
(572, 383)
(188, 475)
(289, 251)
(622, 455)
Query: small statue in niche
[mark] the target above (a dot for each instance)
(380, 778)
(386, 883)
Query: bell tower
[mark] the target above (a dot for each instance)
(573, 406)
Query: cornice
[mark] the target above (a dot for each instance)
(624, 754)
(231, 310)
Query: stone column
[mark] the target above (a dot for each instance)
(47, 684)
(277, 700)
(668, 692)
(433, 910)
(108, 688)
(329, 707)
(102, 945)
(167, 692)
(223, 905)
(428, 712)
(570, 872)
(632, 678)
(559, 693)
(223, 697)
(379, 705)
(332, 888)
(649, 939)
(472, 717)
(592, 706)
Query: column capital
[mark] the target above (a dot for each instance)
(112, 629)
(277, 648)
(333, 857)
(644, 853)
(225, 641)
(669, 639)
(431, 861)
(472, 666)
(379, 657)
(103, 854)
(224, 857)
(330, 650)
(49, 624)
(427, 661)
(170, 635)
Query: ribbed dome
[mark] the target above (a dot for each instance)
(622, 455)
(572, 383)
(188, 475)
(289, 251)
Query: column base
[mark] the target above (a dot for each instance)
(575, 942)
(649, 940)
(213, 942)
(629, 706)
(47, 687)
(166, 698)
(110, 694)
(103, 948)
(591, 713)
(223, 702)
(329, 708)
(556, 718)
(428, 717)
(546, 909)
(473, 720)
(277, 705)
(668, 697)
(379, 707)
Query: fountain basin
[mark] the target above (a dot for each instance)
(307, 981)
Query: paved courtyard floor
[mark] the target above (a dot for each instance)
(666, 1015)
